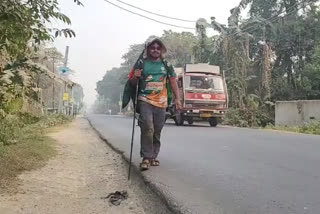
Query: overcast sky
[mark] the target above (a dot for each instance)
(105, 32)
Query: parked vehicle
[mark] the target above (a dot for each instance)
(203, 94)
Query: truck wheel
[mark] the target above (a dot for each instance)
(190, 121)
(178, 119)
(213, 121)
(166, 118)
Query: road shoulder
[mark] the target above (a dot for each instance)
(84, 171)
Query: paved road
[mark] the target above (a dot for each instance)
(229, 170)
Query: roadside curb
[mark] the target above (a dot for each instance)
(171, 204)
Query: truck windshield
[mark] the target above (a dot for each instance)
(211, 83)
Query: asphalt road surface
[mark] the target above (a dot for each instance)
(227, 170)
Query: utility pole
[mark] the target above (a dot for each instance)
(53, 83)
(120, 103)
(53, 93)
(66, 55)
(66, 103)
(108, 106)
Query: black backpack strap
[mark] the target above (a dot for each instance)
(165, 62)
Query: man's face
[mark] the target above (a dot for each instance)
(154, 50)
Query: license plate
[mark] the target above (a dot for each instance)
(205, 115)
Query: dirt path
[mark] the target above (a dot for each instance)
(84, 171)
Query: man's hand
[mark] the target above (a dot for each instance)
(178, 105)
(137, 73)
(174, 86)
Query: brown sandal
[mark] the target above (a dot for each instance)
(145, 164)
(155, 162)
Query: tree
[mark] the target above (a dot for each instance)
(274, 46)
(23, 28)
(311, 79)
(234, 45)
(203, 50)
(30, 19)
(180, 47)
(132, 55)
(110, 88)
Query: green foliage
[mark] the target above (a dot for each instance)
(204, 49)
(292, 39)
(111, 87)
(311, 81)
(308, 128)
(23, 28)
(23, 145)
(14, 106)
(34, 152)
(132, 55)
(272, 55)
(78, 96)
(251, 116)
(234, 47)
(14, 127)
(19, 80)
(180, 47)
(50, 121)
(235, 117)
(30, 19)
(312, 128)
(10, 130)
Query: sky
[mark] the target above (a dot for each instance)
(104, 32)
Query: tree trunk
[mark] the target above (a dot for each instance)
(266, 72)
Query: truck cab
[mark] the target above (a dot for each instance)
(203, 94)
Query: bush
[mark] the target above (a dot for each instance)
(13, 127)
(10, 130)
(28, 118)
(311, 128)
(235, 117)
(53, 120)
(249, 117)
(23, 144)
(308, 128)
(14, 106)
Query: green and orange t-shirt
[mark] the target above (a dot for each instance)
(153, 88)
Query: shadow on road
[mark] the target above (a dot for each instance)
(169, 123)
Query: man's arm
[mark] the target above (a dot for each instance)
(136, 76)
(174, 86)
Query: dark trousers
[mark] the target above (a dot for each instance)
(151, 122)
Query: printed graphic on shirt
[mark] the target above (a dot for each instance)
(153, 89)
(149, 78)
(154, 86)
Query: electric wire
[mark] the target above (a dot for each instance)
(146, 17)
(157, 14)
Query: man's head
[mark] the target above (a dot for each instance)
(155, 49)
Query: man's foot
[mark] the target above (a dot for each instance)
(145, 164)
(155, 162)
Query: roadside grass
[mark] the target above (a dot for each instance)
(30, 149)
(309, 128)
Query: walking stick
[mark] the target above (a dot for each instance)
(133, 127)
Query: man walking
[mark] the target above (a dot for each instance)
(153, 99)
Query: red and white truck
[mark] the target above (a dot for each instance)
(203, 94)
